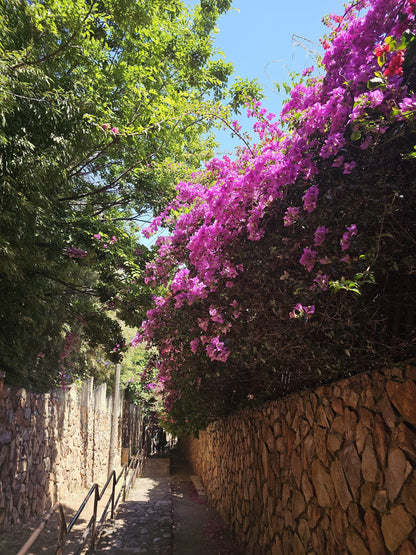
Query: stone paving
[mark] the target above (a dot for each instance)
(166, 512)
(143, 524)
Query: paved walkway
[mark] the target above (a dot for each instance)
(166, 512)
(197, 528)
(143, 524)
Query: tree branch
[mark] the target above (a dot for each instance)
(58, 50)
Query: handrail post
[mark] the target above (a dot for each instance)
(125, 483)
(113, 495)
(62, 530)
(94, 517)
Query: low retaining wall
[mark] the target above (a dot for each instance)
(54, 444)
(327, 471)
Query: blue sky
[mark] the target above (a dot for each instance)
(256, 36)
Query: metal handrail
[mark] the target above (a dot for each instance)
(93, 527)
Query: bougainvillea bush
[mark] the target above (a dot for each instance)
(293, 264)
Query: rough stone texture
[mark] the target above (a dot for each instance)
(403, 395)
(54, 444)
(396, 527)
(324, 471)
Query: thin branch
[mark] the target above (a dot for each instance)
(88, 159)
(72, 286)
(110, 185)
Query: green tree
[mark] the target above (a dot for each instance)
(103, 106)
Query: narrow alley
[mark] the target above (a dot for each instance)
(166, 512)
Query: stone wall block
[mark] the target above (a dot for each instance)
(307, 488)
(409, 495)
(320, 444)
(339, 523)
(361, 436)
(407, 548)
(387, 412)
(322, 484)
(350, 424)
(298, 504)
(403, 397)
(355, 543)
(321, 417)
(380, 438)
(296, 468)
(395, 472)
(338, 426)
(396, 527)
(334, 442)
(373, 531)
(352, 468)
(350, 397)
(367, 494)
(405, 438)
(369, 462)
(338, 406)
(340, 484)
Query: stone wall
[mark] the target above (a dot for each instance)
(328, 471)
(52, 445)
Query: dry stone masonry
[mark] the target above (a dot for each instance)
(329, 471)
(52, 445)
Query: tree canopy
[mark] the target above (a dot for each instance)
(294, 263)
(104, 105)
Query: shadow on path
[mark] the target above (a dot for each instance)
(14, 538)
(197, 527)
(143, 524)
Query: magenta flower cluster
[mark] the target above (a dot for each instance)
(74, 252)
(231, 200)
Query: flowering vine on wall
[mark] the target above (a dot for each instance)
(272, 275)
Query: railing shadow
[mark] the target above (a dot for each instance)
(119, 485)
(145, 520)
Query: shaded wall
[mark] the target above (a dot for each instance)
(54, 444)
(326, 471)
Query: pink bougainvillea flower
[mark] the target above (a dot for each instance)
(308, 258)
(302, 311)
(310, 198)
(348, 235)
(321, 281)
(307, 71)
(194, 345)
(291, 215)
(348, 167)
(319, 237)
(73, 252)
(337, 163)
